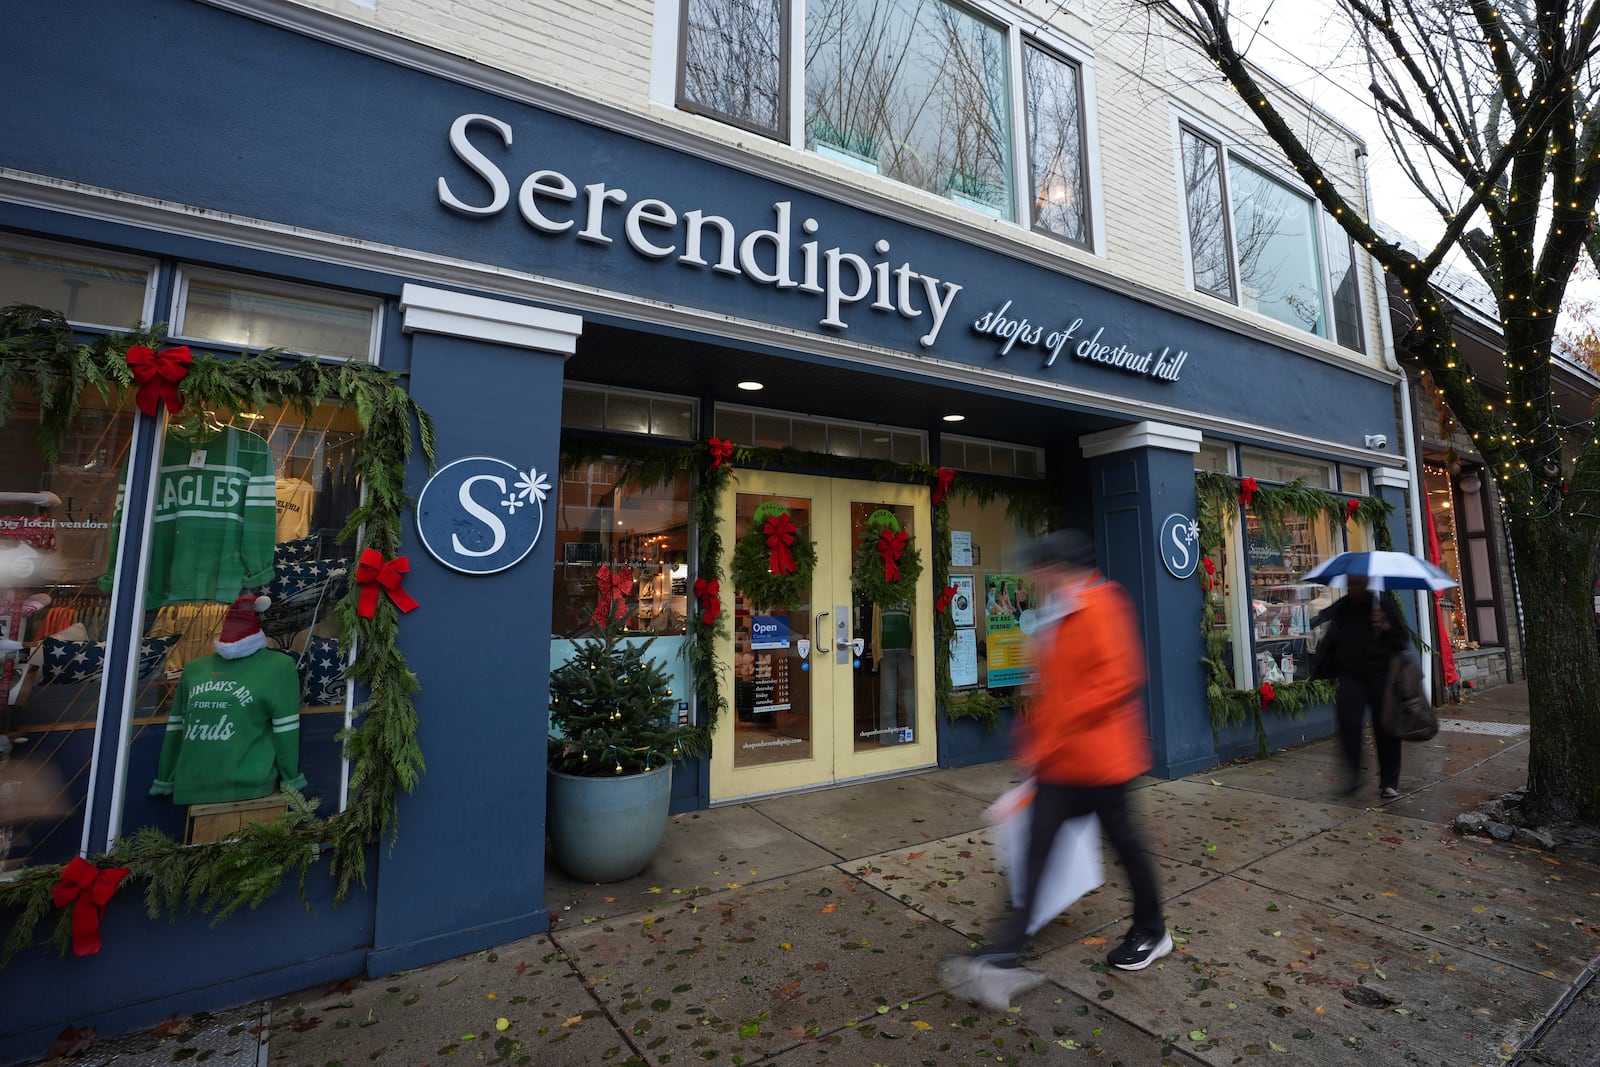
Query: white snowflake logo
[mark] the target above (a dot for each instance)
(1192, 534)
(512, 503)
(532, 486)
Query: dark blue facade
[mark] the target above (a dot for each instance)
(286, 133)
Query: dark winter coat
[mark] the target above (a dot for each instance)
(1359, 649)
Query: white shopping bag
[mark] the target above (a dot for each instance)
(1072, 869)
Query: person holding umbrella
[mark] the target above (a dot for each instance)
(1366, 632)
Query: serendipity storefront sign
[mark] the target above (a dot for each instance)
(787, 256)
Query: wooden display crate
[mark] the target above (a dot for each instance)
(218, 822)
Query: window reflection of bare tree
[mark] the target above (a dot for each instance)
(731, 61)
(1208, 230)
(1055, 144)
(915, 84)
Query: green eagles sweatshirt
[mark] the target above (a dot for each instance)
(233, 732)
(216, 515)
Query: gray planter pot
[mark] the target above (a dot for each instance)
(606, 829)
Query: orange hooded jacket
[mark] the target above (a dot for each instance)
(1086, 723)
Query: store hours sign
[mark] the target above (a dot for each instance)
(480, 515)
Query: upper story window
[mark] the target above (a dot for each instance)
(1056, 146)
(734, 53)
(922, 91)
(88, 286)
(1260, 243)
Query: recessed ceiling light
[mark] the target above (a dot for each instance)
(751, 387)
(955, 418)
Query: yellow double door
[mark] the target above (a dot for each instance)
(834, 687)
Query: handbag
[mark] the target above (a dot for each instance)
(1072, 869)
(1406, 713)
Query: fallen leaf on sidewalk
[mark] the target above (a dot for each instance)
(917, 855)
(573, 1020)
(1093, 941)
(73, 1041)
(829, 908)
(171, 1026)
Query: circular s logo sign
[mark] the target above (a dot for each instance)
(1180, 545)
(481, 515)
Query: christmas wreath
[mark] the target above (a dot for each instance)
(772, 563)
(887, 563)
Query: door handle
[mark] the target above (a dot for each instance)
(817, 629)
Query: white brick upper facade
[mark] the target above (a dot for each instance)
(1143, 79)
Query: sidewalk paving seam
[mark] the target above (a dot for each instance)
(1552, 1018)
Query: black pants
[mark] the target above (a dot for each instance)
(1355, 697)
(1054, 805)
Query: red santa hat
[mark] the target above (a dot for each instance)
(241, 627)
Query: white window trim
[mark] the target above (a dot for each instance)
(1226, 144)
(92, 254)
(289, 290)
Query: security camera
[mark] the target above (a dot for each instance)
(1377, 440)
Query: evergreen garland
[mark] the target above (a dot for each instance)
(752, 564)
(1218, 505)
(38, 353)
(867, 570)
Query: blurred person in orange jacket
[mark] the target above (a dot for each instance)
(1083, 740)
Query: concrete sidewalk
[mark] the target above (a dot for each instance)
(805, 930)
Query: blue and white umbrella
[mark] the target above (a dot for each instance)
(1383, 570)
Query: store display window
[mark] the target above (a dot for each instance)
(991, 613)
(1281, 606)
(56, 515)
(246, 693)
(602, 518)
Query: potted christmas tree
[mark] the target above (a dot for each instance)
(614, 739)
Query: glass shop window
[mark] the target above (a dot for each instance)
(1281, 606)
(603, 518)
(55, 542)
(734, 53)
(989, 649)
(88, 286)
(247, 692)
(257, 313)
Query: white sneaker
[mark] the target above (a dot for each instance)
(985, 982)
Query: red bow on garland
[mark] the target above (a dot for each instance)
(721, 452)
(614, 586)
(1350, 509)
(941, 489)
(942, 605)
(780, 535)
(1267, 693)
(1210, 569)
(1247, 491)
(891, 546)
(377, 576)
(88, 889)
(157, 375)
(710, 601)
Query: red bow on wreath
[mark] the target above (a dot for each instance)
(1350, 509)
(377, 576)
(1267, 693)
(891, 546)
(942, 605)
(614, 586)
(780, 535)
(941, 489)
(721, 452)
(88, 889)
(710, 601)
(1247, 490)
(157, 375)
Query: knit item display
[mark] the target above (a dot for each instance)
(216, 515)
(233, 732)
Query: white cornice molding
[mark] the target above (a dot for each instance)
(1140, 435)
(478, 318)
(1391, 478)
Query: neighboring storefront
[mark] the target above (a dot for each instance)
(572, 295)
